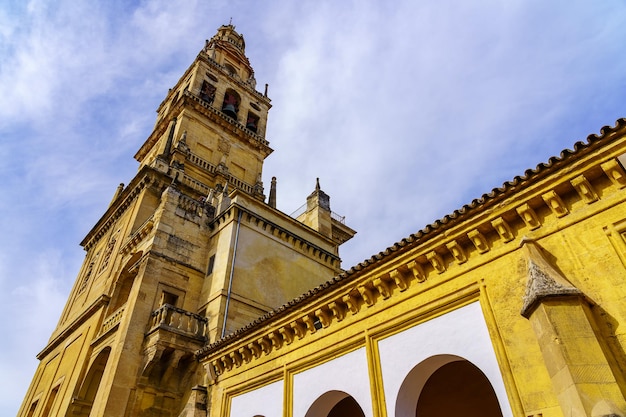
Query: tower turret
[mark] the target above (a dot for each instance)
(318, 216)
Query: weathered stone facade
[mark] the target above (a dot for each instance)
(511, 306)
(186, 253)
(197, 298)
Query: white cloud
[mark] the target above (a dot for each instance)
(32, 308)
(405, 110)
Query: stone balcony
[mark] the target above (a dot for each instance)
(173, 336)
(178, 321)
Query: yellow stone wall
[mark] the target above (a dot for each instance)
(146, 302)
(574, 210)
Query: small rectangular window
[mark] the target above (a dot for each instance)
(211, 264)
(50, 402)
(169, 298)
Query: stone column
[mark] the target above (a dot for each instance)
(561, 317)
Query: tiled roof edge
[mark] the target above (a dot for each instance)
(417, 238)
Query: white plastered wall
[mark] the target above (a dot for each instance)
(462, 332)
(347, 373)
(266, 401)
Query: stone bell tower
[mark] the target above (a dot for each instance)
(210, 128)
(186, 253)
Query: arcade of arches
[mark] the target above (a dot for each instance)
(441, 386)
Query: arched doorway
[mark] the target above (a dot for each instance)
(445, 385)
(335, 404)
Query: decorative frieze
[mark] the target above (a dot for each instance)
(367, 295)
(436, 261)
(287, 237)
(417, 270)
(449, 250)
(324, 317)
(308, 322)
(584, 189)
(479, 241)
(287, 334)
(529, 216)
(351, 302)
(457, 251)
(265, 344)
(383, 287)
(236, 358)
(552, 199)
(503, 229)
(338, 309)
(142, 232)
(298, 328)
(246, 354)
(400, 279)
(276, 340)
(255, 350)
(615, 172)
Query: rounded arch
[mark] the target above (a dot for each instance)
(230, 105)
(445, 385)
(90, 385)
(335, 404)
(124, 283)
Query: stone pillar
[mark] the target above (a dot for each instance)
(561, 317)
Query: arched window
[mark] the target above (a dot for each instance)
(207, 92)
(335, 404)
(230, 106)
(445, 385)
(82, 404)
(124, 284)
(230, 69)
(252, 122)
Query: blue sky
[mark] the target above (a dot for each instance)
(405, 110)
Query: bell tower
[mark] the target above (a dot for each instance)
(186, 253)
(211, 126)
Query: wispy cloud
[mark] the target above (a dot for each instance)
(405, 110)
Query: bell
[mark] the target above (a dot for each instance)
(230, 110)
(251, 126)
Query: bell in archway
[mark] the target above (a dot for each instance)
(230, 110)
(251, 124)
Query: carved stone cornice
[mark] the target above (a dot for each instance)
(265, 226)
(228, 123)
(204, 57)
(141, 233)
(144, 178)
(471, 234)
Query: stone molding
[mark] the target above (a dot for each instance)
(264, 226)
(150, 177)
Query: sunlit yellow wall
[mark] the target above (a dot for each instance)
(575, 212)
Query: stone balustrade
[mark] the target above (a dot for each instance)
(181, 321)
(113, 319)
